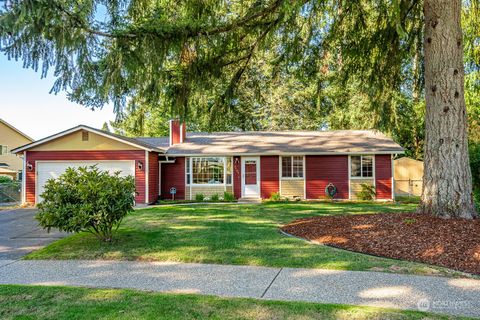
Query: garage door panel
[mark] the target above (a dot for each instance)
(53, 170)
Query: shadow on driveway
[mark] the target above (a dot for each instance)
(21, 234)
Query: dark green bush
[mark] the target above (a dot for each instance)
(199, 197)
(86, 199)
(474, 153)
(407, 199)
(4, 179)
(476, 199)
(215, 197)
(367, 192)
(228, 196)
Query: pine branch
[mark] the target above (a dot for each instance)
(175, 31)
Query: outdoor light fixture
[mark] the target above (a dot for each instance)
(140, 165)
(29, 166)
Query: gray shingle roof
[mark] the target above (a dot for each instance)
(159, 142)
(259, 142)
(281, 142)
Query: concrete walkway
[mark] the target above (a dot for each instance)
(435, 294)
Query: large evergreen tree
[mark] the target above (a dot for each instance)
(200, 58)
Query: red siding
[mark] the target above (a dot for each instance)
(32, 156)
(153, 177)
(173, 175)
(269, 182)
(237, 177)
(322, 170)
(383, 176)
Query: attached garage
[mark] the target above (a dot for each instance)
(84, 146)
(53, 169)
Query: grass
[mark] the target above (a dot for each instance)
(407, 199)
(31, 302)
(230, 234)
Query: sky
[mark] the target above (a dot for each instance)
(25, 103)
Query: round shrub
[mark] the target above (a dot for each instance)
(86, 199)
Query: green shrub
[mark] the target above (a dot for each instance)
(86, 199)
(199, 197)
(367, 192)
(275, 196)
(215, 197)
(407, 199)
(228, 196)
(474, 154)
(4, 179)
(476, 198)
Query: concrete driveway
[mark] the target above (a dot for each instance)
(20, 234)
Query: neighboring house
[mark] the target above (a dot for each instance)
(408, 177)
(11, 138)
(247, 164)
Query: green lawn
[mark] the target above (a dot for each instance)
(30, 302)
(229, 234)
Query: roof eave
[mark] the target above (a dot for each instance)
(82, 127)
(285, 153)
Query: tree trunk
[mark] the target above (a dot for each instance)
(447, 180)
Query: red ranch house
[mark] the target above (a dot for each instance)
(248, 164)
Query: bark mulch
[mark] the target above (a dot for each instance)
(453, 243)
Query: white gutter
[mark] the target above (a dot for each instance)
(283, 153)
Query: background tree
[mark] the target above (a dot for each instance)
(358, 63)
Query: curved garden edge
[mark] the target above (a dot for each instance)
(352, 236)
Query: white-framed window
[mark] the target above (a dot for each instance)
(3, 150)
(292, 166)
(361, 166)
(208, 170)
(188, 176)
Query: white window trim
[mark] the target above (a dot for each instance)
(24, 178)
(361, 167)
(189, 167)
(225, 172)
(224, 184)
(147, 173)
(393, 180)
(281, 167)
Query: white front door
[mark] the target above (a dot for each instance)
(251, 177)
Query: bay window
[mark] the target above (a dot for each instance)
(208, 170)
(361, 166)
(292, 166)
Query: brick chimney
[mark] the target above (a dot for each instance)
(178, 132)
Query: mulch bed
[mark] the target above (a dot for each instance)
(453, 243)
